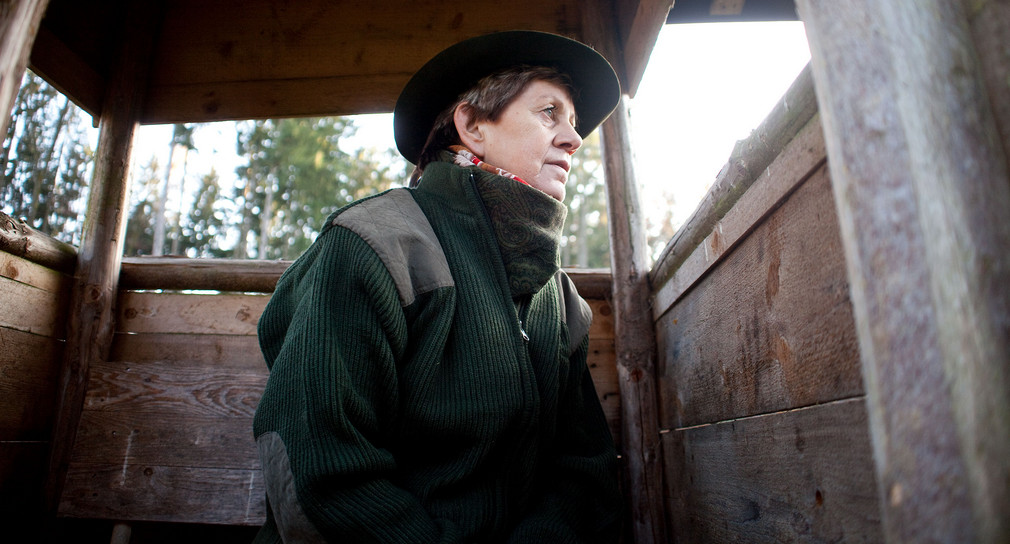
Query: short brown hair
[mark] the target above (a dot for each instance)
(486, 101)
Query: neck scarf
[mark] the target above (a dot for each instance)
(464, 157)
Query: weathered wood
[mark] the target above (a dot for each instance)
(18, 238)
(798, 476)
(29, 368)
(166, 389)
(90, 326)
(922, 189)
(165, 493)
(750, 157)
(130, 437)
(802, 156)
(251, 276)
(768, 329)
(144, 312)
(57, 64)
(19, 21)
(25, 271)
(256, 276)
(30, 309)
(634, 337)
(226, 352)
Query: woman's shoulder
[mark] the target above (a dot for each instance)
(398, 231)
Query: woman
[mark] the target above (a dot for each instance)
(428, 378)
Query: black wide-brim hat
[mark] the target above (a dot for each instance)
(442, 80)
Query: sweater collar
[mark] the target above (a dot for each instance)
(527, 224)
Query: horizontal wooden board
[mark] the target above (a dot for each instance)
(770, 328)
(220, 352)
(799, 476)
(142, 312)
(29, 371)
(126, 438)
(36, 275)
(163, 389)
(160, 493)
(28, 308)
(803, 155)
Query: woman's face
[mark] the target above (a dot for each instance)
(534, 137)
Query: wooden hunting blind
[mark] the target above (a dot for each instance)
(822, 352)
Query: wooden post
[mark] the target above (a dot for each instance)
(19, 22)
(90, 325)
(922, 189)
(634, 333)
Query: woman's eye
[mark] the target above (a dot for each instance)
(550, 111)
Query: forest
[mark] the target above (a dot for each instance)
(293, 173)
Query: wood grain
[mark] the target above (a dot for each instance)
(770, 328)
(29, 368)
(160, 493)
(798, 476)
(189, 313)
(33, 310)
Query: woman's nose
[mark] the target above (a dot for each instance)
(568, 139)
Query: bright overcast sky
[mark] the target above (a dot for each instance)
(705, 88)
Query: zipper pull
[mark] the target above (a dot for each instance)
(526, 337)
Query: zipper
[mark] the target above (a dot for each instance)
(521, 314)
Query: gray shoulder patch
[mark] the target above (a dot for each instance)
(575, 311)
(292, 523)
(397, 230)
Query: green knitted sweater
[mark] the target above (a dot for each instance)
(428, 378)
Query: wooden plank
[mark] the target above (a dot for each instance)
(640, 39)
(634, 336)
(164, 388)
(90, 324)
(922, 188)
(139, 312)
(771, 327)
(220, 352)
(25, 271)
(240, 275)
(30, 309)
(19, 22)
(801, 157)
(128, 437)
(159, 493)
(20, 239)
(64, 69)
(799, 476)
(29, 367)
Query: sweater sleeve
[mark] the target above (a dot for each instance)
(332, 334)
(580, 501)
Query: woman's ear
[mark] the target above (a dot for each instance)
(470, 133)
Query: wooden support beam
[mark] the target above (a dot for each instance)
(922, 189)
(634, 333)
(19, 22)
(90, 324)
(19, 238)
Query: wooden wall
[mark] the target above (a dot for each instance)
(32, 322)
(761, 402)
(166, 430)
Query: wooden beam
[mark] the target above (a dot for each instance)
(922, 189)
(19, 238)
(90, 325)
(19, 22)
(640, 38)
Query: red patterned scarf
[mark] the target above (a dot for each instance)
(464, 157)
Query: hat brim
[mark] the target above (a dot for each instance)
(455, 70)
